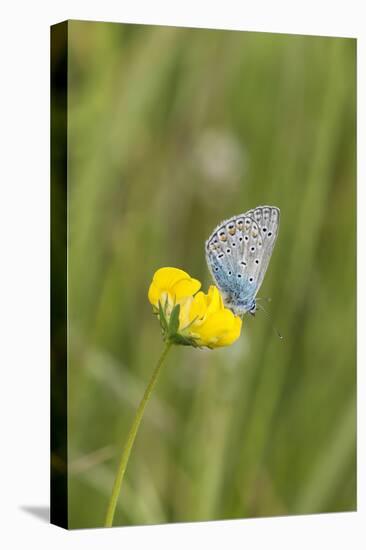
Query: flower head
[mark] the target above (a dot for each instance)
(189, 317)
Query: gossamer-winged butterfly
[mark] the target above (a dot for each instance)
(238, 253)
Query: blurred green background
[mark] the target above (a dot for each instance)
(170, 131)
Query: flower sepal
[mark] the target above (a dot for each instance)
(184, 340)
(170, 326)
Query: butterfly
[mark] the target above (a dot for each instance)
(238, 253)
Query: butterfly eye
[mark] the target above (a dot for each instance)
(240, 239)
(233, 244)
(239, 276)
(216, 268)
(244, 263)
(246, 237)
(229, 273)
(228, 250)
(264, 229)
(269, 234)
(250, 279)
(252, 248)
(257, 261)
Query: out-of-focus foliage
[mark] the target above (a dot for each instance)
(170, 131)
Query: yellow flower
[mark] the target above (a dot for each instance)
(190, 317)
(212, 324)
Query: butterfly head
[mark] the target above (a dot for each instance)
(240, 306)
(253, 309)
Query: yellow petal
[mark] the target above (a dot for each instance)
(221, 328)
(214, 300)
(166, 277)
(154, 294)
(216, 324)
(184, 288)
(199, 307)
(230, 336)
(185, 307)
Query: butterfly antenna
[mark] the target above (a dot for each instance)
(270, 321)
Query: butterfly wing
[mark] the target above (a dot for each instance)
(267, 220)
(238, 253)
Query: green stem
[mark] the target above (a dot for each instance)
(131, 438)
